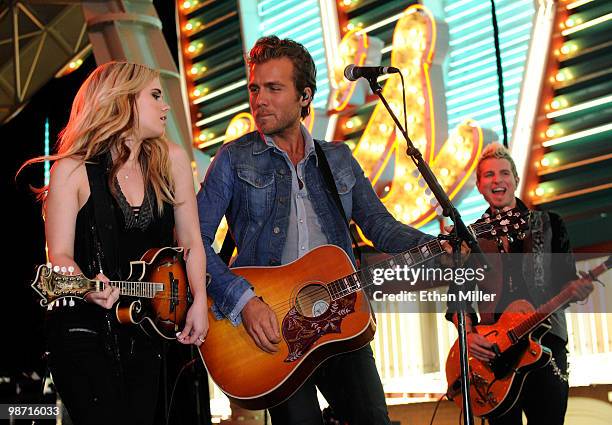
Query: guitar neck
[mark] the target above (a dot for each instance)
(561, 299)
(365, 277)
(132, 289)
(542, 313)
(409, 259)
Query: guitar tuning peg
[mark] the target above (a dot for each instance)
(71, 303)
(63, 269)
(49, 265)
(70, 269)
(56, 269)
(64, 302)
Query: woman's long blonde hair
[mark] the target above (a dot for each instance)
(104, 114)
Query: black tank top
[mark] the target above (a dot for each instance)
(132, 243)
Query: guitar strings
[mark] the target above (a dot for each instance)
(323, 293)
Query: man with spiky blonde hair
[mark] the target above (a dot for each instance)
(520, 278)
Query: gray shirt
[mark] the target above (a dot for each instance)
(304, 230)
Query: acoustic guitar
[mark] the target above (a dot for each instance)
(496, 385)
(322, 311)
(155, 295)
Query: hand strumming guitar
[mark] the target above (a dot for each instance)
(261, 324)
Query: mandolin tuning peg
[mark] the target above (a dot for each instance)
(49, 265)
(56, 269)
(71, 303)
(70, 269)
(63, 269)
(49, 306)
(64, 302)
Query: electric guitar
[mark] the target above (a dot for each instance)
(155, 295)
(496, 385)
(322, 311)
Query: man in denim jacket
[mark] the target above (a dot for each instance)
(278, 207)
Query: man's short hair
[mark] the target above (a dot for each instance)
(304, 69)
(498, 151)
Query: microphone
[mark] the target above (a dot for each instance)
(353, 72)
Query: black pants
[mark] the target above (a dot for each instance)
(95, 388)
(351, 385)
(544, 394)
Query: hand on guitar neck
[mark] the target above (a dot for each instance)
(261, 324)
(581, 288)
(481, 348)
(106, 298)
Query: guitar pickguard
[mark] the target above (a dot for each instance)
(301, 332)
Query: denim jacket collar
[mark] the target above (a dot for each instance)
(263, 142)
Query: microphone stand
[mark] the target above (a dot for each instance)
(460, 233)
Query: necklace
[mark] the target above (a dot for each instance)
(127, 171)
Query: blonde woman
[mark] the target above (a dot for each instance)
(106, 373)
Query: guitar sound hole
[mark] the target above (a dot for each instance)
(312, 300)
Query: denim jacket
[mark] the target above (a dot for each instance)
(249, 181)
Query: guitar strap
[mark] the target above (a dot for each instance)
(105, 237)
(328, 177)
(227, 248)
